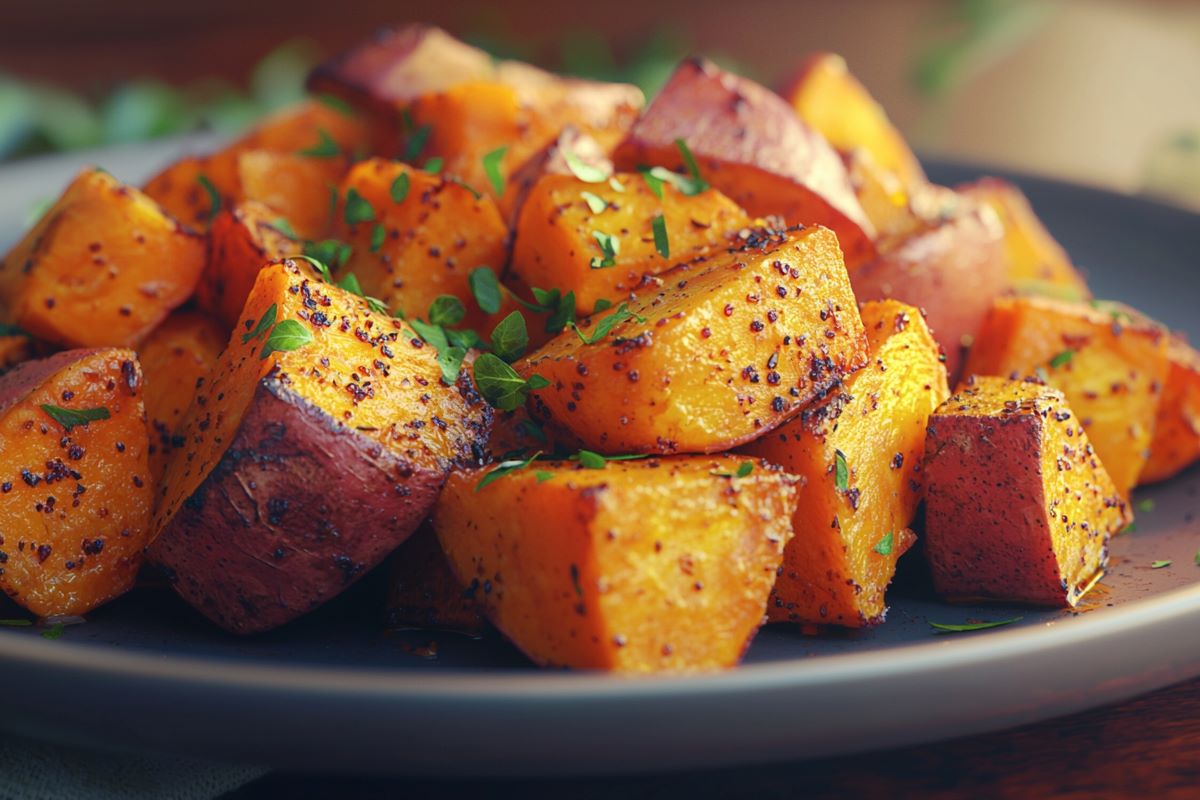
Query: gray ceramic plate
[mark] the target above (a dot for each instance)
(336, 692)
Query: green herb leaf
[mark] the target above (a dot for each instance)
(1062, 359)
(491, 167)
(590, 460)
(400, 187)
(336, 103)
(350, 283)
(70, 417)
(325, 147)
(282, 225)
(531, 429)
(743, 470)
(466, 338)
(450, 360)
(416, 142)
(478, 195)
(698, 182)
(601, 305)
(510, 337)
(329, 251)
(485, 286)
(610, 246)
(542, 475)
(588, 173)
(15, 623)
(595, 202)
(654, 182)
(1146, 505)
(972, 626)
(214, 197)
(884, 545)
(434, 165)
(506, 468)
(1130, 528)
(54, 632)
(286, 336)
(432, 334)
(12, 330)
(358, 208)
(378, 236)
(447, 311)
(536, 382)
(377, 305)
(562, 314)
(1160, 564)
(263, 325)
(501, 385)
(841, 472)
(661, 243)
(605, 325)
(1197, 558)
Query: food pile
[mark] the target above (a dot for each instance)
(620, 378)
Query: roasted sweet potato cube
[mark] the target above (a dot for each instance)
(557, 243)
(318, 444)
(552, 160)
(75, 488)
(296, 188)
(1036, 263)
(1017, 504)
(242, 239)
(1176, 442)
(574, 580)
(102, 267)
(175, 358)
(417, 236)
(1110, 362)
(424, 593)
(832, 101)
(719, 356)
(750, 145)
(859, 452)
(952, 269)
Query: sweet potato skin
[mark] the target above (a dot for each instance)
(1176, 442)
(750, 145)
(242, 239)
(728, 351)
(1113, 365)
(424, 593)
(102, 267)
(1017, 508)
(848, 540)
(573, 579)
(75, 504)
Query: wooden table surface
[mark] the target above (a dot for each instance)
(1145, 748)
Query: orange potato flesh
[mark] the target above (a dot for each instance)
(102, 267)
(1037, 264)
(848, 540)
(827, 96)
(174, 358)
(242, 239)
(14, 349)
(75, 504)
(1113, 366)
(1176, 442)
(1018, 505)
(424, 593)
(591, 150)
(751, 146)
(555, 243)
(573, 578)
(431, 240)
(297, 188)
(728, 350)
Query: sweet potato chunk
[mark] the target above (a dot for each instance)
(573, 579)
(750, 145)
(721, 355)
(1036, 263)
(75, 488)
(860, 453)
(316, 447)
(1176, 442)
(103, 266)
(829, 98)
(424, 593)
(430, 234)
(175, 358)
(241, 241)
(1110, 363)
(1017, 504)
(952, 270)
(296, 187)
(557, 244)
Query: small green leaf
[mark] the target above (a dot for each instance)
(434, 165)
(350, 283)
(491, 167)
(286, 336)
(510, 337)
(610, 246)
(466, 338)
(536, 382)
(1130, 528)
(884, 545)
(501, 385)
(416, 143)
(1062, 359)
(698, 182)
(486, 289)
(1146, 505)
(531, 429)
(432, 334)
(478, 195)
(377, 305)
(400, 187)
(263, 325)
(972, 626)
(590, 460)
(282, 225)
(378, 236)
(661, 243)
(54, 631)
(744, 469)
(542, 476)
(329, 251)
(588, 173)
(601, 305)
(336, 103)
(841, 471)
(1197, 558)
(447, 311)
(15, 623)
(506, 468)
(605, 325)
(595, 202)
(214, 197)
(70, 417)
(325, 147)
(358, 208)
(654, 182)
(1160, 564)
(562, 314)
(12, 330)
(319, 266)
(450, 360)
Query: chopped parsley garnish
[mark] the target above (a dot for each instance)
(595, 202)
(15, 623)
(319, 266)
(501, 385)
(329, 251)
(446, 310)
(841, 472)
(654, 182)
(466, 338)
(261, 327)
(70, 417)
(12, 330)
(884, 545)
(450, 360)
(588, 173)
(1062, 359)
(610, 246)
(972, 626)
(1160, 564)
(358, 208)
(510, 337)
(1130, 528)
(605, 325)
(286, 336)
(542, 475)
(601, 305)
(485, 286)
(54, 631)
(1146, 505)
(743, 470)
(475, 193)
(416, 142)
(528, 427)
(400, 187)
(1197, 558)
(506, 468)
(434, 165)
(698, 184)
(378, 237)
(433, 334)
(590, 460)
(661, 243)
(282, 225)
(350, 284)
(560, 307)
(491, 167)
(214, 197)
(325, 147)
(336, 103)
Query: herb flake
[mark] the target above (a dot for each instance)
(325, 147)
(1062, 359)
(841, 472)
(1160, 564)
(942, 627)
(492, 163)
(485, 287)
(661, 243)
(358, 208)
(286, 336)
(399, 188)
(884, 546)
(605, 325)
(506, 468)
(610, 246)
(214, 197)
